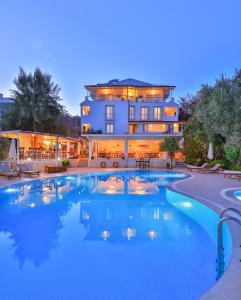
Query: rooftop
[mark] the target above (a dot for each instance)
(129, 82)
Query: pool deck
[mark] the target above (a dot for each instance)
(214, 191)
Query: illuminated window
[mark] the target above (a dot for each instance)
(85, 128)
(170, 111)
(144, 113)
(85, 110)
(175, 127)
(155, 128)
(157, 113)
(132, 112)
(109, 128)
(109, 112)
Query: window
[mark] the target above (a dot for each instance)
(175, 127)
(109, 128)
(170, 111)
(85, 128)
(157, 113)
(109, 112)
(85, 110)
(144, 113)
(131, 112)
(133, 128)
(162, 128)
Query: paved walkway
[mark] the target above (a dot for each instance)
(206, 188)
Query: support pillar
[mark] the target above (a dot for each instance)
(126, 152)
(90, 148)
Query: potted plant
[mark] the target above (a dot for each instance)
(65, 164)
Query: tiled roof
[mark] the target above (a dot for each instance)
(128, 82)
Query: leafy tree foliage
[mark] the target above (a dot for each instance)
(171, 146)
(4, 147)
(216, 118)
(36, 106)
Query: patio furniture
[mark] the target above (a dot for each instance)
(230, 175)
(6, 172)
(195, 168)
(214, 169)
(56, 169)
(24, 169)
(147, 163)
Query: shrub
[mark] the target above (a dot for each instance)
(65, 163)
(214, 162)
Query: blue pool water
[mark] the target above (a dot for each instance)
(119, 235)
(237, 194)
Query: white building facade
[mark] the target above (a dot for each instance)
(127, 120)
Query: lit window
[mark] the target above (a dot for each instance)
(85, 110)
(85, 128)
(170, 111)
(109, 128)
(144, 113)
(157, 113)
(155, 128)
(109, 112)
(132, 113)
(175, 127)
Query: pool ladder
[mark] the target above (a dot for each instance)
(222, 219)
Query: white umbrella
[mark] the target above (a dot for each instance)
(210, 155)
(12, 154)
(181, 143)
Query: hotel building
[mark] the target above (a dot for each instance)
(128, 119)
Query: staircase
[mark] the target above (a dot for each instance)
(180, 164)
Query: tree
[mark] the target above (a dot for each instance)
(171, 146)
(36, 106)
(4, 147)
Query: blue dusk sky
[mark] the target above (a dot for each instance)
(183, 43)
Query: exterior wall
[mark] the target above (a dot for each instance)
(96, 118)
(97, 121)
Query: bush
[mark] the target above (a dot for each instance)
(4, 148)
(214, 162)
(234, 168)
(66, 163)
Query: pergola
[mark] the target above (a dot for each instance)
(41, 146)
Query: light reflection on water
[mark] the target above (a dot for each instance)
(117, 227)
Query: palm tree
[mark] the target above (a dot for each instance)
(36, 106)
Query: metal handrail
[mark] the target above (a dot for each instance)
(220, 254)
(230, 209)
(220, 229)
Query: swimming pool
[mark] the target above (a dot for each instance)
(237, 194)
(117, 235)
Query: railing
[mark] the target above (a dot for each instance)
(129, 98)
(222, 219)
(150, 117)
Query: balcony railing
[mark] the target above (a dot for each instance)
(130, 98)
(151, 117)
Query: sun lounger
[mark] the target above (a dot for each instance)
(24, 169)
(195, 168)
(230, 175)
(214, 169)
(6, 172)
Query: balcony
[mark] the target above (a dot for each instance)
(151, 117)
(130, 98)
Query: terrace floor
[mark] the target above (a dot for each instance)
(210, 189)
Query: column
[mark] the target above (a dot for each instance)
(90, 148)
(126, 152)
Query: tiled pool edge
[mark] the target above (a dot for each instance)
(229, 286)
